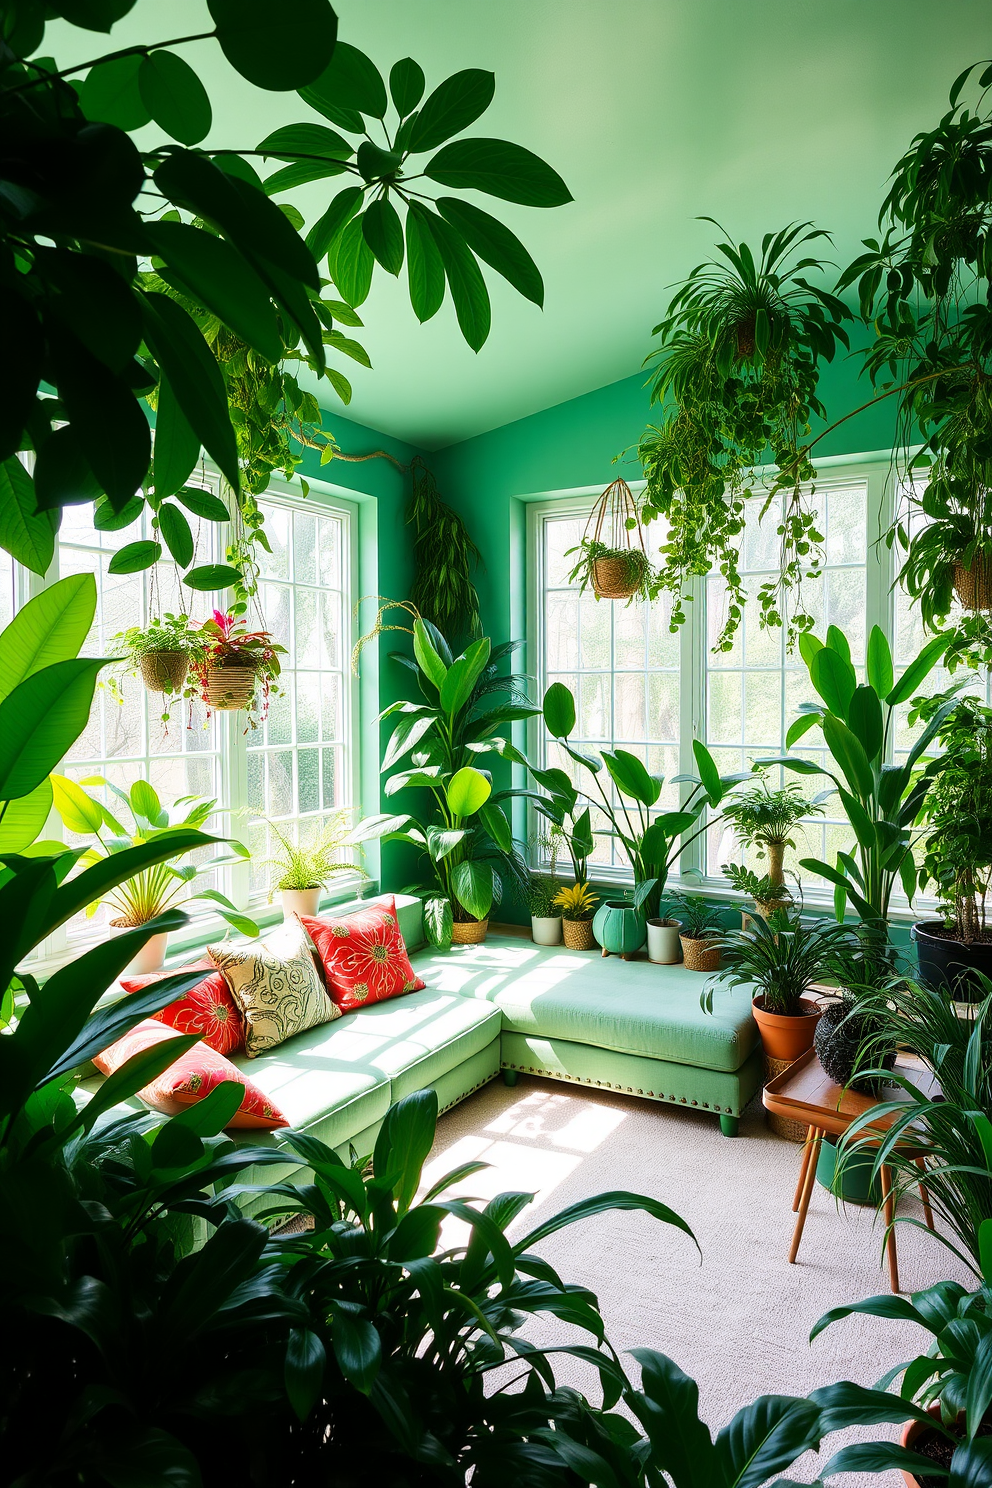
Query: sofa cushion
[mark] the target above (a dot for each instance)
(632, 1007)
(363, 955)
(276, 985)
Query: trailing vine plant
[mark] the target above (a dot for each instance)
(444, 557)
(735, 375)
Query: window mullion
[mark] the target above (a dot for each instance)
(692, 701)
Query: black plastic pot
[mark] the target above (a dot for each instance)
(951, 965)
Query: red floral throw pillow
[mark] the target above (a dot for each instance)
(190, 1078)
(364, 957)
(208, 1010)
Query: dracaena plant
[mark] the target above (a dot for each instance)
(883, 802)
(653, 842)
(438, 742)
(173, 272)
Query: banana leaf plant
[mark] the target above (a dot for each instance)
(437, 741)
(653, 842)
(883, 802)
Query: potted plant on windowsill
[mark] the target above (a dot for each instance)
(162, 652)
(765, 821)
(768, 897)
(576, 902)
(545, 913)
(700, 932)
(306, 868)
(236, 663)
(137, 900)
(957, 856)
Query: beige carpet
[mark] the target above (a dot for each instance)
(739, 1319)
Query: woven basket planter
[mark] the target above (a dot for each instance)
(615, 523)
(228, 687)
(469, 932)
(973, 586)
(164, 671)
(700, 955)
(792, 1131)
(615, 578)
(577, 934)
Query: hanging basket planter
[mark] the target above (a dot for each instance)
(164, 671)
(229, 684)
(973, 586)
(613, 561)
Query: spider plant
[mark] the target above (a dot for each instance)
(147, 894)
(780, 958)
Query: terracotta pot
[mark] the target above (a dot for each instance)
(469, 932)
(615, 578)
(577, 934)
(786, 1035)
(701, 955)
(229, 686)
(663, 942)
(910, 1432)
(546, 929)
(151, 957)
(973, 586)
(300, 901)
(164, 671)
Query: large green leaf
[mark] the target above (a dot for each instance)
(211, 577)
(203, 504)
(864, 718)
(879, 662)
(462, 675)
(919, 668)
(766, 1437)
(63, 475)
(468, 790)
(351, 263)
(176, 448)
(299, 173)
(496, 245)
(326, 228)
(24, 819)
(404, 1143)
(110, 94)
(174, 96)
(276, 48)
(668, 1409)
(496, 824)
(453, 106)
(630, 775)
(473, 886)
(406, 85)
(304, 1370)
(306, 139)
(191, 367)
(80, 813)
(134, 557)
(223, 281)
(353, 81)
(177, 533)
(40, 719)
(383, 232)
(708, 772)
(834, 679)
(849, 753)
(559, 710)
(468, 288)
(51, 627)
(25, 533)
(499, 169)
(107, 421)
(426, 655)
(424, 266)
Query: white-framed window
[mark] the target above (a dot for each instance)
(639, 686)
(299, 765)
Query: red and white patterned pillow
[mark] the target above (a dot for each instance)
(364, 956)
(208, 1009)
(190, 1078)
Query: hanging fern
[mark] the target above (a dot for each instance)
(444, 557)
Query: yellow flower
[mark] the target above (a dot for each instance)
(576, 901)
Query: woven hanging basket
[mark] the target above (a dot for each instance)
(164, 671)
(228, 686)
(469, 932)
(577, 934)
(973, 586)
(619, 575)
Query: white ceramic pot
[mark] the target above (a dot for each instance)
(663, 942)
(300, 901)
(545, 929)
(151, 957)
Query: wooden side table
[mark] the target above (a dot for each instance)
(805, 1093)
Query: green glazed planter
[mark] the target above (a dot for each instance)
(854, 1184)
(619, 928)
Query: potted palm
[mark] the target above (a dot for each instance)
(235, 663)
(764, 822)
(545, 914)
(766, 896)
(305, 868)
(700, 932)
(143, 897)
(162, 651)
(576, 902)
(957, 857)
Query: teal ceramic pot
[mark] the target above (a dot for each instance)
(619, 928)
(854, 1182)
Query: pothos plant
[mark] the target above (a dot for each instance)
(735, 374)
(86, 215)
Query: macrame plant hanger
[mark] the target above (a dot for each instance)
(615, 523)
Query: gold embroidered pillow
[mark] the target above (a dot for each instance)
(275, 983)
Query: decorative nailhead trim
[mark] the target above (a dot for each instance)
(531, 1069)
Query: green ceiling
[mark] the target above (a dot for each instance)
(655, 111)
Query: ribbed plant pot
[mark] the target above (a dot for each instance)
(577, 934)
(300, 901)
(664, 948)
(615, 578)
(164, 671)
(851, 1181)
(702, 954)
(951, 965)
(469, 932)
(619, 928)
(151, 957)
(973, 586)
(546, 929)
(228, 686)
(786, 1036)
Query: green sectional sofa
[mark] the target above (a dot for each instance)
(513, 1006)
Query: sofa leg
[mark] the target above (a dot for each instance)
(730, 1125)
(510, 1077)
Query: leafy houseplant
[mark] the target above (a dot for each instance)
(305, 868)
(765, 820)
(883, 802)
(140, 898)
(545, 914)
(957, 848)
(234, 664)
(577, 902)
(767, 896)
(444, 558)
(466, 837)
(613, 572)
(736, 372)
(162, 651)
(700, 928)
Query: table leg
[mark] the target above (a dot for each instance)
(890, 1242)
(921, 1163)
(803, 1165)
(814, 1151)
